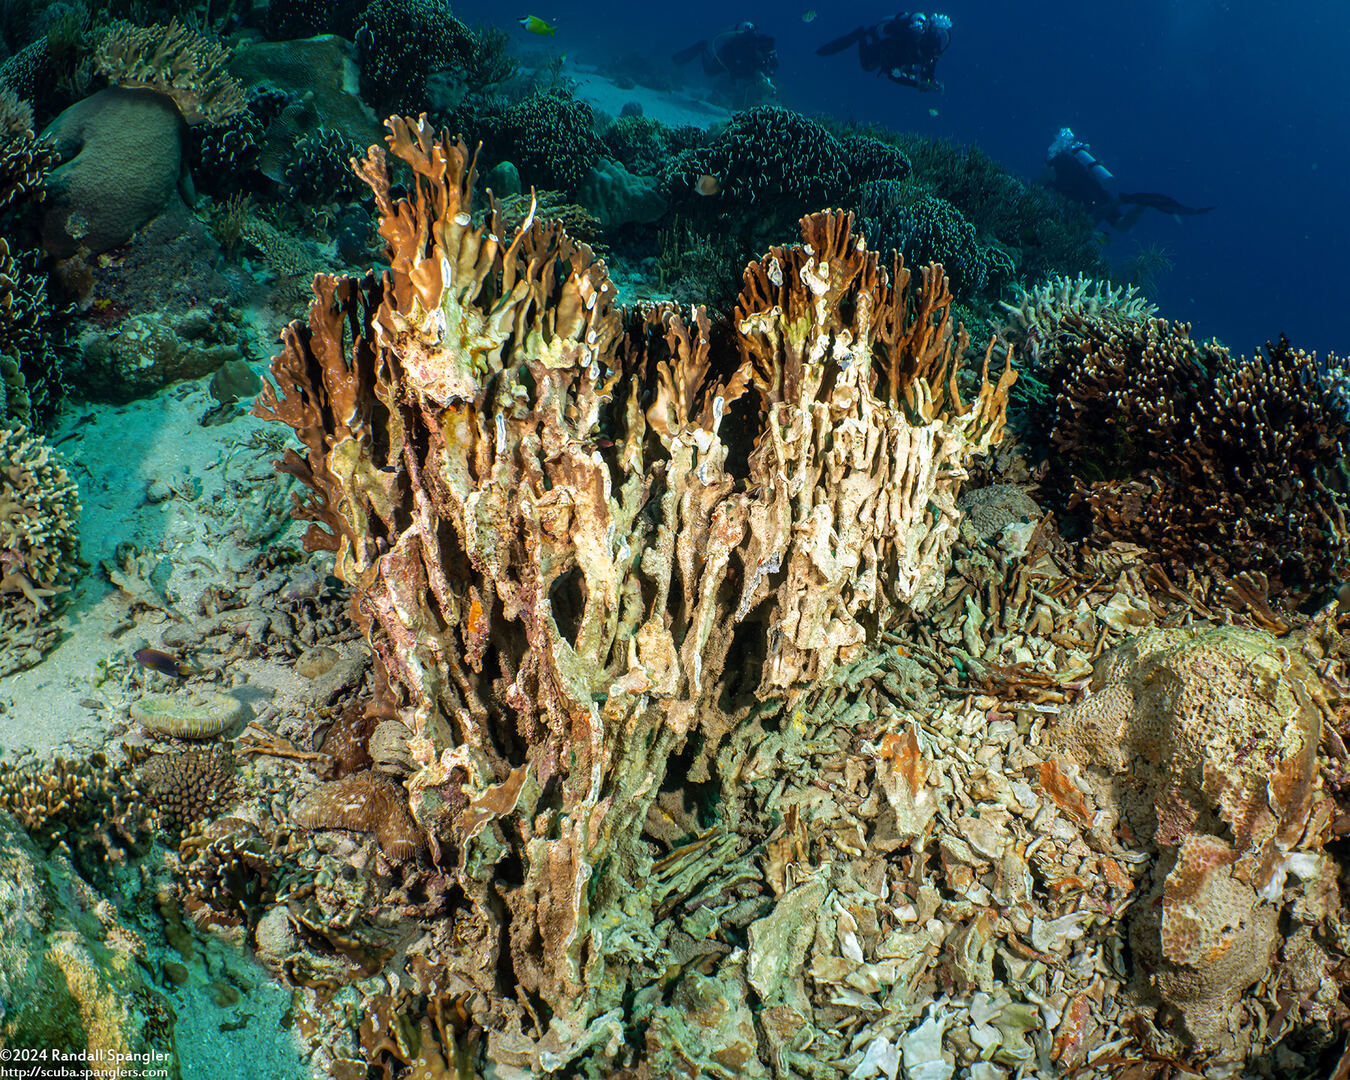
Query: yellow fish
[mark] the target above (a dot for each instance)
(535, 25)
(809, 15)
(932, 112)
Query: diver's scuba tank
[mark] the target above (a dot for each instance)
(1066, 144)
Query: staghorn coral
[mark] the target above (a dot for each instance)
(1234, 465)
(563, 566)
(25, 159)
(363, 802)
(1203, 741)
(186, 786)
(39, 520)
(174, 61)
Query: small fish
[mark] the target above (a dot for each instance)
(809, 15)
(535, 25)
(707, 185)
(932, 112)
(160, 661)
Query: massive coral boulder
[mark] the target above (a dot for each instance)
(579, 541)
(121, 149)
(1202, 743)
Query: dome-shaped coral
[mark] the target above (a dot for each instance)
(1202, 742)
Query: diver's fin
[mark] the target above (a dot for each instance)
(685, 55)
(1129, 219)
(1164, 203)
(839, 44)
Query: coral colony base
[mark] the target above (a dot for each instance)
(788, 687)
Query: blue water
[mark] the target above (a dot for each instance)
(1241, 105)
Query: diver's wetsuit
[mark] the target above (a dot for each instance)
(743, 55)
(905, 49)
(1078, 175)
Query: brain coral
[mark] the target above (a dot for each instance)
(1203, 741)
(39, 519)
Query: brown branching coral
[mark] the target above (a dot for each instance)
(564, 566)
(1231, 465)
(175, 61)
(39, 519)
(85, 809)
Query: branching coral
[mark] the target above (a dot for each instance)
(1037, 314)
(401, 42)
(33, 339)
(925, 229)
(39, 519)
(549, 137)
(175, 61)
(24, 158)
(767, 156)
(564, 566)
(85, 809)
(1204, 459)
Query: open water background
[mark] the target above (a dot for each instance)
(1243, 105)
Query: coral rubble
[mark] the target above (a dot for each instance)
(566, 569)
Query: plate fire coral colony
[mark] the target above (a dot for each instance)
(544, 678)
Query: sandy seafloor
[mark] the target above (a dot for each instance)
(153, 477)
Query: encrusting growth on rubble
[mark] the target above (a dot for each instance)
(579, 538)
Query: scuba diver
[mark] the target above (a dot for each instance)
(743, 54)
(905, 48)
(1077, 174)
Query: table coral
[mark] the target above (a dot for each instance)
(565, 566)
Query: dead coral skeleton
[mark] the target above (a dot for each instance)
(554, 548)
